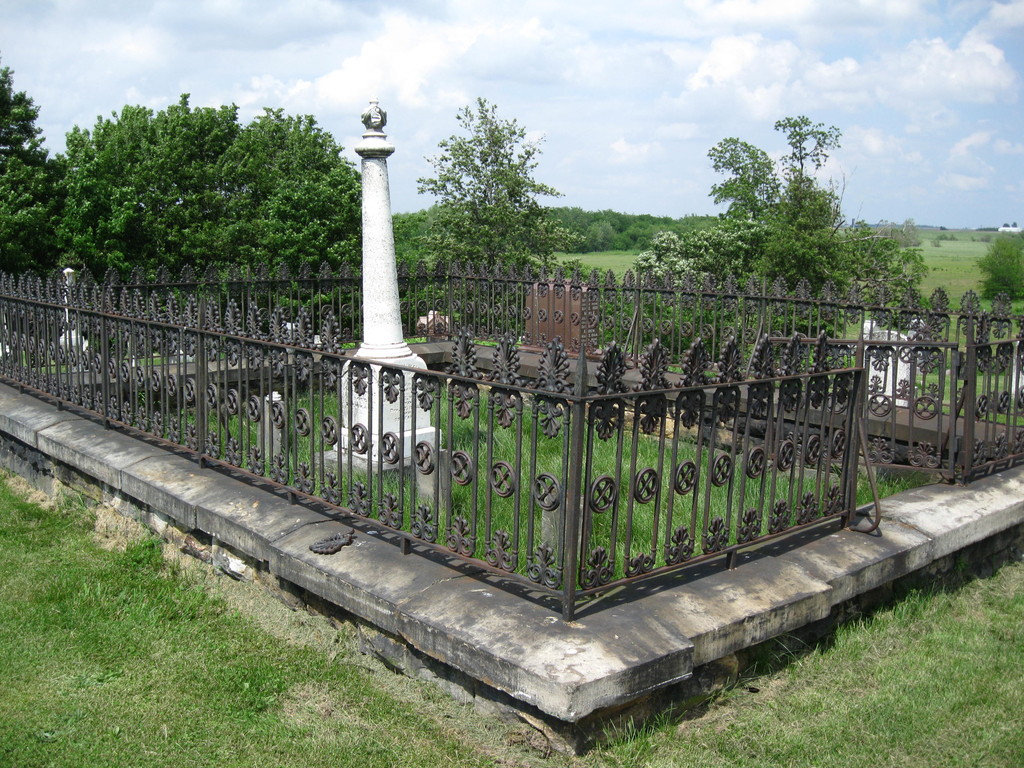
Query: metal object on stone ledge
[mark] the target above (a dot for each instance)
(333, 544)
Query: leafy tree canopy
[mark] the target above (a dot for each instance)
(193, 186)
(782, 223)
(1002, 268)
(487, 208)
(27, 202)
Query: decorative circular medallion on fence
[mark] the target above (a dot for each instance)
(721, 471)
(360, 439)
(277, 414)
(926, 407)
(685, 477)
(390, 448)
(838, 443)
(302, 422)
(602, 493)
(880, 405)
(646, 485)
(812, 452)
(547, 492)
(462, 468)
(503, 479)
(756, 461)
(787, 452)
(424, 457)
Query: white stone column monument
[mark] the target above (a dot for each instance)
(383, 339)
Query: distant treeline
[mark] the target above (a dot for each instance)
(594, 230)
(613, 231)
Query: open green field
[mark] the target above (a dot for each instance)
(617, 261)
(950, 255)
(952, 263)
(115, 650)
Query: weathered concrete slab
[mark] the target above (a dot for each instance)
(369, 577)
(953, 517)
(726, 611)
(510, 643)
(632, 641)
(87, 446)
(568, 670)
(22, 417)
(853, 563)
(237, 514)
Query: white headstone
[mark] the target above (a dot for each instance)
(895, 376)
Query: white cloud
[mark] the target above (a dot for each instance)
(965, 183)
(677, 131)
(746, 59)
(130, 45)
(966, 146)
(749, 71)
(1002, 20)
(974, 71)
(624, 151)
(1004, 147)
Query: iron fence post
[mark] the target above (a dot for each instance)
(200, 363)
(104, 372)
(964, 461)
(572, 532)
(856, 444)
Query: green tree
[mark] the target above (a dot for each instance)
(411, 231)
(731, 247)
(752, 189)
(27, 202)
(802, 233)
(487, 209)
(293, 197)
(906, 234)
(193, 186)
(1003, 268)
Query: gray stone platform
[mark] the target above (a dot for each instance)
(635, 640)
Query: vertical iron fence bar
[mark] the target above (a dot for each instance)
(965, 454)
(104, 369)
(572, 533)
(855, 420)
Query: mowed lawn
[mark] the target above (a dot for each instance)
(112, 654)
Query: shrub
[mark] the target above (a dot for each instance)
(1003, 268)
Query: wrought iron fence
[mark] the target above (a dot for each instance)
(570, 473)
(575, 432)
(944, 390)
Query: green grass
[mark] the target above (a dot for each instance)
(617, 261)
(952, 264)
(934, 680)
(117, 657)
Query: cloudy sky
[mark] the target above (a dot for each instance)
(627, 96)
